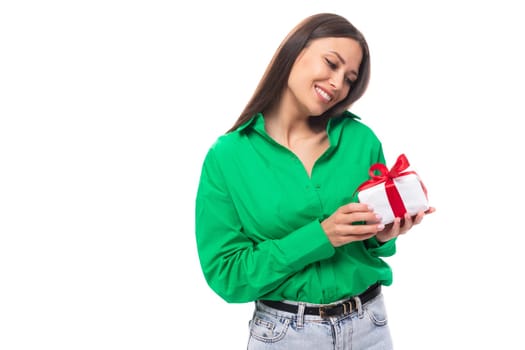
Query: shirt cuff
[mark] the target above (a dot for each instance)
(384, 249)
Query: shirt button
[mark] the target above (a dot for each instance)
(317, 186)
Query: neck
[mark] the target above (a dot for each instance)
(288, 121)
(288, 129)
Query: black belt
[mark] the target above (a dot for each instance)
(341, 308)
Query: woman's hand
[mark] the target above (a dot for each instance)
(346, 225)
(401, 226)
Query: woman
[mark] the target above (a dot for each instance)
(277, 219)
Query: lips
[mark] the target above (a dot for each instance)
(324, 94)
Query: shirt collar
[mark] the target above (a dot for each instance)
(333, 127)
(256, 118)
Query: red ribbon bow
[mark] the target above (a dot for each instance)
(387, 176)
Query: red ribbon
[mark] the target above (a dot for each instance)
(387, 176)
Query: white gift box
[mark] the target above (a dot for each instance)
(411, 192)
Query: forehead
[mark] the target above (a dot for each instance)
(349, 49)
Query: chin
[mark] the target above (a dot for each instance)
(317, 109)
(316, 112)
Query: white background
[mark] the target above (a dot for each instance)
(108, 107)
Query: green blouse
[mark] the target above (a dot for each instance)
(258, 216)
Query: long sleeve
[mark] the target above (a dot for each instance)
(381, 250)
(236, 267)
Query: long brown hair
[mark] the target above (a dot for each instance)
(275, 78)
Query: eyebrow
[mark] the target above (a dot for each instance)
(338, 56)
(344, 62)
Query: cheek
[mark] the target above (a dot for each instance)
(300, 79)
(344, 93)
(312, 69)
(347, 90)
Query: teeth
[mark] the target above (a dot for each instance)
(323, 94)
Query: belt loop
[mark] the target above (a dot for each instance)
(300, 315)
(359, 307)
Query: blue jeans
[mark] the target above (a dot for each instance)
(365, 328)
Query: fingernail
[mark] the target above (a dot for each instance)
(380, 227)
(378, 217)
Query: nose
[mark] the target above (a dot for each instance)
(337, 81)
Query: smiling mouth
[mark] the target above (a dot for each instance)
(324, 95)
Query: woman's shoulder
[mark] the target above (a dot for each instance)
(230, 142)
(225, 145)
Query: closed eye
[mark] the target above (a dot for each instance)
(334, 66)
(331, 64)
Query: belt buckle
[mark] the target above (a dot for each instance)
(322, 311)
(326, 311)
(347, 305)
